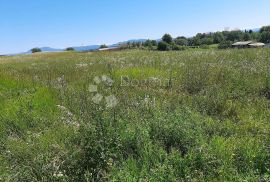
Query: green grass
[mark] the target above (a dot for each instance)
(196, 115)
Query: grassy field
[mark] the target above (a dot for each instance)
(199, 115)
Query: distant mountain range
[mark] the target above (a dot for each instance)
(47, 49)
(85, 48)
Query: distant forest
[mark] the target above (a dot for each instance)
(222, 40)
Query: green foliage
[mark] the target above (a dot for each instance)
(246, 37)
(103, 46)
(154, 42)
(265, 37)
(195, 41)
(167, 38)
(35, 50)
(181, 41)
(265, 29)
(207, 41)
(176, 47)
(225, 45)
(163, 46)
(234, 35)
(150, 44)
(218, 37)
(70, 49)
(204, 40)
(98, 146)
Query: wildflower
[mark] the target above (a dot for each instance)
(107, 80)
(60, 82)
(36, 78)
(97, 98)
(111, 101)
(81, 65)
(104, 78)
(97, 80)
(60, 174)
(61, 79)
(146, 99)
(93, 88)
(67, 116)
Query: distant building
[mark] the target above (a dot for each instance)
(258, 44)
(109, 49)
(242, 44)
(248, 44)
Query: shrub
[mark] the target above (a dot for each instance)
(163, 46)
(205, 46)
(35, 50)
(70, 49)
(225, 45)
(265, 37)
(103, 46)
(97, 147)
(175, 131)
(176, 47)
(181, 41)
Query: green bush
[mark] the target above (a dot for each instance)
(70, 49)
(163, 46)
(103, 46)
(35, 50)
(225, 45)
(204, 46)
(176, 47)
(97, 148)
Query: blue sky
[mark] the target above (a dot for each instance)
(62, 23)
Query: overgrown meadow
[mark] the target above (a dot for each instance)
(196, 115)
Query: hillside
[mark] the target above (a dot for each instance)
(195, 115)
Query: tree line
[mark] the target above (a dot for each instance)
(222, 39)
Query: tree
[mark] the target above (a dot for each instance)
(225, 44)
(133, 44)
(218, 37)
(128, 44)
(195, 41)
(167, 38)
(70, 49)
(265, 29)
(234, 35)
(176, 47)
(182, 41)
(154, 43)
(148, 43)
(265, 34)
(163, 46)
(265, 37)
(35, 50)
(103, 46)
(246, 37)
(207, 41)
(139, 44)
(256, 36)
